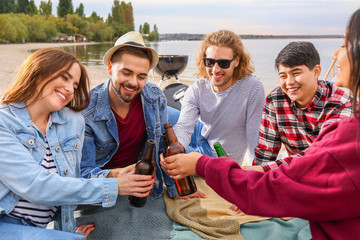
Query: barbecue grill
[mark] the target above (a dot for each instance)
(171, 66)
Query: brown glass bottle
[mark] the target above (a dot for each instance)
(145, 166)
(184, 186)
(163, 136)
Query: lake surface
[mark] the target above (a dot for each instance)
(263, 53)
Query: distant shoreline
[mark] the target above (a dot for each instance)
(198, 37)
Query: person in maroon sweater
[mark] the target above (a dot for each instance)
(323, 186)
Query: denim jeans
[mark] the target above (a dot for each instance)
(11, 228)
(198, 142)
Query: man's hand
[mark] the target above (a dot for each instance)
(253, 168)
(180, 165)
(196, 194)
(133, 184)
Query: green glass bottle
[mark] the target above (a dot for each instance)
(219, 150)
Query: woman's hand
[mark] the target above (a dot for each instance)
(85, 229)
(132, 184)
(180, 165)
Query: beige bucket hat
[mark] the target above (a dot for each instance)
(133, 39)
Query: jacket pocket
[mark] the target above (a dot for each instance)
(71, 148)
(26, 138)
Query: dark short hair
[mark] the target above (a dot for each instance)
(298, 53)
(139, 52)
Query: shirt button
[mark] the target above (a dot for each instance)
(66, 171)
(108, 156)
(57, 149)
(67, 219)
(110, 200)
(75, 144)
(31, 141)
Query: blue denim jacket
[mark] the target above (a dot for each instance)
(101, 134)
(22, 148)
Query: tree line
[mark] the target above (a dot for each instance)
(22, 20)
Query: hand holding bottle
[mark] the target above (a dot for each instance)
(133, 184)
(180, 165)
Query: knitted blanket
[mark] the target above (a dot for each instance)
(209, 217)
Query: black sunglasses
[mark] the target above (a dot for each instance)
(223, 63)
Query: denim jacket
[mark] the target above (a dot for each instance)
(101, 134)
(22, 148)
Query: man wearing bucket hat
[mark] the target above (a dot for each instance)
(124, 112)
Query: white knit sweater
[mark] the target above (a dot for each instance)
(231, 117)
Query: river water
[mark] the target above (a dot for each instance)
(263, 53)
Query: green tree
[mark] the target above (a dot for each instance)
(109, 19)
(31, 8)
(80, 23)
(146, 28)
(100, 31)
(128, 15)
(95, 18)
(12, 29)
(8, 6)
(80, 11)
(140, 29)
(116, 12)
(122, 18)
(65, 7)
(45, 8)
(27, 7)
(154, 35)
(65, 26)
(39, 28)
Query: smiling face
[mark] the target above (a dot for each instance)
(129, 74)
(221, 79)
(343, 65)
(299, 83)
(59, 91)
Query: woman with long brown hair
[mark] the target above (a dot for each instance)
(41, 138)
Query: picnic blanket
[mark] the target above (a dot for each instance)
(209, 217)
(123, 221)
(271, 229)
(197, 219)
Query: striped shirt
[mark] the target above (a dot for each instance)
(283, 123)
(39, 215)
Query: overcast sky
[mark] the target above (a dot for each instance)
(240, 16)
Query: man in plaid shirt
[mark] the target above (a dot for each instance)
(296, 112)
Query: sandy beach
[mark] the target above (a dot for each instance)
(13, 55)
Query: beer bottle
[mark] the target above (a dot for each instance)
(219, 150)
(163, 136)
(145, 166)
(184, 186)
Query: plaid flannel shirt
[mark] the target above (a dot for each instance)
(297, 128)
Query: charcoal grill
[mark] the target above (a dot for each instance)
(172, 66)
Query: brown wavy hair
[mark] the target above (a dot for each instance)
(46, 65)
(225, 38)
